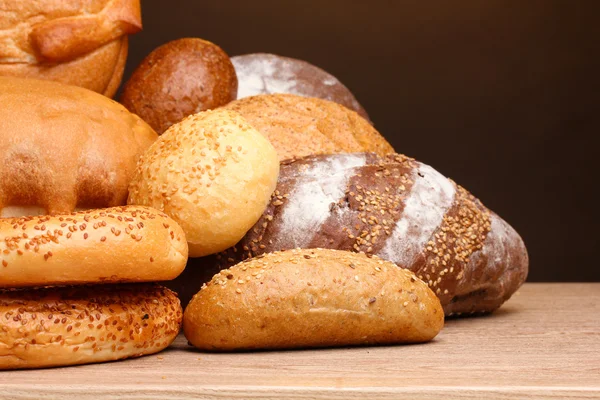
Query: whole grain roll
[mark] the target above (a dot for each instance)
(122, 244)
(180, 78)
(213, 174)
(76, 42)
(63, 147)
(53, 327)
(300, 126)
(403, 211)
(312, 298)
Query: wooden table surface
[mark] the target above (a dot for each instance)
(543, 343)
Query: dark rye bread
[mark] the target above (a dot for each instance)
(401, 210)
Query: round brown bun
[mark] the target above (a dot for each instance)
(63, 147)
(73, 42)
(122, 244)
(53, 327)
(212, 173)
(300, 126)
(312, 298)
(263, 73)
(180, 78)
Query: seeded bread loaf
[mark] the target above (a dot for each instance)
(85, 324)
(401, 210)
(121, 244)
(300, 126)
(312, 298)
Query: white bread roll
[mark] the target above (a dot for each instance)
(121, 244)
(85, 324)
(212, 173)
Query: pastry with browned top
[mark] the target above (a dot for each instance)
(82, 43)
(53, 327)
(180, 78)
(312, 298)
(300, 126)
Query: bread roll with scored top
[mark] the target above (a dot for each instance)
(86, 324)
(401, 210)
(300, 126)
(122, 244)
(83, 43)
(312, 298)
(63, 147)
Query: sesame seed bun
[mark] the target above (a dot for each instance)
(123, 244)
(85, 324)
(212, 173)
(312, 298)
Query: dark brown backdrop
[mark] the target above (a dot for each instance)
(502, 96)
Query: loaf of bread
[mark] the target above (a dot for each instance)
(82, 43)
(86, 324)
(401, 210)
(262, 73)
(312, 298)
(63, 147)
(212, 173)
(180, 78)
(121, 244)
(300, 126)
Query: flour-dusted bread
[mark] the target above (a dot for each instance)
(401, 210)
(78, 42)
(53, 327)
(312, 298)
(63, 147)
(301, 126)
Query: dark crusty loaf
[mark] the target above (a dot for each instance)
(401, 210)
(312, 298)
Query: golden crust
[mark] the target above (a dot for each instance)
(86, 324)
(301, 126)
(312, 298)
(122, 244)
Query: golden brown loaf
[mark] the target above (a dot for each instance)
(86, 324)
(312, 298)
(300, 126)
(78, 42)
(180, 78)
(212, 173)
(63, 147)
(122, 244)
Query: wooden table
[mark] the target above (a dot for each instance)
(543, 343)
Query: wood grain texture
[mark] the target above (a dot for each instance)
(544, 343)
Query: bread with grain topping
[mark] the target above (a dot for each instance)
(301, 126)
(63, 147)
(400, 210)
(53, 327)
(122, 244)
(311, 298)
(83, 43)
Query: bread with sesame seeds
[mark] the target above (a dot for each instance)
(300, 126)
(64, 147)
(213, 174)
(122, 244)
(401, 210)
(53, 327)
(312, 298)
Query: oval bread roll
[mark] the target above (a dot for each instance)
(86, 324)
(212, 173)
(122, 244)
(312, 298)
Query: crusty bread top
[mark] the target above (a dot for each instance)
(300, 126)
(63, 146)
(59, 30)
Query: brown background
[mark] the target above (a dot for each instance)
(502, 96)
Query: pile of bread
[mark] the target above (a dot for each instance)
(305, 228)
